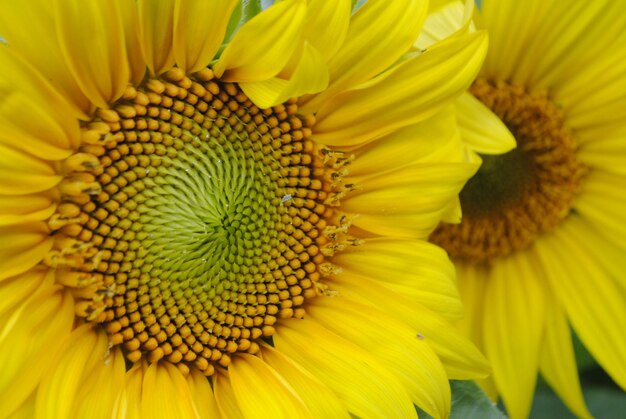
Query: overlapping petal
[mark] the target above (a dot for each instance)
(156, 33)
(98, 62)
(417, 270)
(557, 361)
(416, 196)
(326, 25)
(32, 109)
(256, 384)
(445, 18)
(276, 33)
(513, 326)
(460, 358)
(598, 325)
(22, 247)
(194, 46)
(409, 93)
(319, 399)
(309, 76)
(344, 366)
(37, 43)
(74, 385)
(408, 357)
(380, 32)
(481, 130)
(165, 393)
(31, 336)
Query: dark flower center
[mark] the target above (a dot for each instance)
(518, 196)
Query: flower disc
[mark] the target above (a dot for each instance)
(193, 220)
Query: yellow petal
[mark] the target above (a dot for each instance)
(345, 368)
(22, 247)
(199, 29)
(481, 130)
(225, 397)
(593, 301)
(165, 393)
(557, 362)
(595, 94)
(95, 400)
(26, 409)
(24, 119)
(310, 76)
(603, 205)
(512, 26)
(82, 354)
(326, 25)
(16, 290)
(26, 204)
(263, 45)
(445, 18)
(29, 342)
(31, 31)
(202, 394)
(24, 209)
(134, 52)
(461, 360)
(433, 140)
(416, 269)
(604, 152)
(35, 118)
(607, 254)
(22, 173)
(409, 93)
(410, 201)
(570, 36)
(156, 19)
(128, 404)
(379, 33)
(319, 399)
(395, 344)
(256, 384)
(98, 62)
(454, 213)
(513, 326)
(472, 286)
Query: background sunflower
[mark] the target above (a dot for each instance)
(538, 247)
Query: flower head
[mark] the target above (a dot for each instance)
(203, 218)
(539, 248)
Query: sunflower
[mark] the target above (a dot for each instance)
(205, 215)
(541, 245)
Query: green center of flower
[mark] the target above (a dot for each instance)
(517, 196)
(191, 221)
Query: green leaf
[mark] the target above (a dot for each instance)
(470, 402)
(603, 402)
(250, 9)
(233, 23)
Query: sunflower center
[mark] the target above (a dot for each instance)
(517, 196)
(191, 221)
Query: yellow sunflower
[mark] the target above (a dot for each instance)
(206, 218)
(541, 245)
